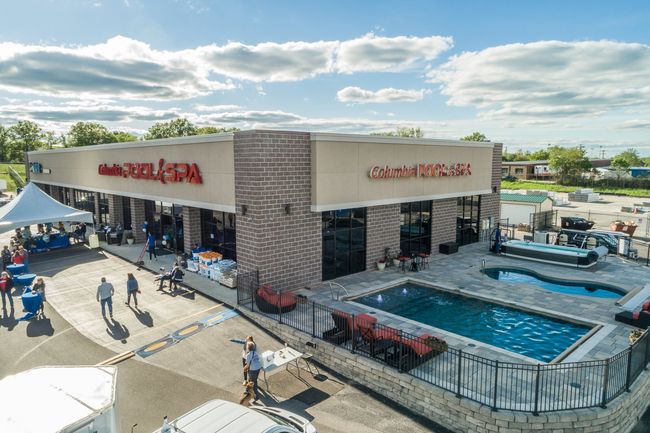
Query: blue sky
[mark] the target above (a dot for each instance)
(524, 73)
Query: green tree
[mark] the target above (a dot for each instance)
(4, 143)
(23, 136)
(402, 132)
(568, 161)
(51, 140)
(88, 134)
(627, 159)
(203, 130)
(475, 136)
(180, 127)
(122, 137)
(539, 155)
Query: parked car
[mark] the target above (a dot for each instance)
(225, 417)
(576, 223)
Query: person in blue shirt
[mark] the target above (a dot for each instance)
(253, 366)
(151, 246)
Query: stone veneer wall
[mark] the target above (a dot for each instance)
(443, 222)
(273, 169)
(115, 209)
(137, 219)
(191, 227)
(463, 415)
(382, 231)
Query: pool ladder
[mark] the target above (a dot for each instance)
(332, 284)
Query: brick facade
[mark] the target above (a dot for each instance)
(137, 219)
(491, 203)
(115, 209)
(272, 170)
(382, 231)
(191, 227)
(443, 222)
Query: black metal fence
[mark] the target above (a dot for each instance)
(499, 385)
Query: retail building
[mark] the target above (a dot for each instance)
(299, 207)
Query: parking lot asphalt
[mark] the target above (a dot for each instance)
(204, 366)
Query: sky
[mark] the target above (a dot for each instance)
(526, 74)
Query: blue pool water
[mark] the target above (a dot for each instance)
(568, 288)
(533, 335)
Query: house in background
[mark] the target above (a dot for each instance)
(540, 170)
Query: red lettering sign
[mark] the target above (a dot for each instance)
(421, 170)
(171, 172)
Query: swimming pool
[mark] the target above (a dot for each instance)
(593, 290)
(536, 336)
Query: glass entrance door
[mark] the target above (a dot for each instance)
(467, 219)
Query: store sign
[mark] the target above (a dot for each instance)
(420, 170)
(166, 172)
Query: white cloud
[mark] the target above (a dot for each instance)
(374, 53)
(121, 67)
(225, 107)
(635, 124)
(361, 96)
(548, 78)
(126, 68)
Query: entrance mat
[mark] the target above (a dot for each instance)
(185, 332)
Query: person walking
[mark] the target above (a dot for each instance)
(105, 293)
(151, 246)
(244, 352)
(39, 287)
(6, 284)
(6, 257)
(253, 366)
(131, 289)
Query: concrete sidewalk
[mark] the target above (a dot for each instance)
(72, 277)
(201, 284)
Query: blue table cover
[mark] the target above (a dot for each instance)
(24, 279)
(55, 241)
(17, 269)
(31, 302)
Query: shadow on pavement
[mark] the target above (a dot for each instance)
(8, 320)
(48, 264)
(40, 327)
(116, 330)
(143, 316)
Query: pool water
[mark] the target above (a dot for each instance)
(568, 288)
(533, 335)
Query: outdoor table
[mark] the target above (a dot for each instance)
(272, 360)
(16, 270)
(32, 302)
(55, 240)
(24, 279)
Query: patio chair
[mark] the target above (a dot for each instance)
(411, 352)
(342, 330)
(272, 302)
(374, 340)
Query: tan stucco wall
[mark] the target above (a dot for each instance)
(340, 172)
(79, 169)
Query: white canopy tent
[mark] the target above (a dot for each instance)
(33, 206)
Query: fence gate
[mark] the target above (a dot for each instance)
(247, 283)
(542, 220)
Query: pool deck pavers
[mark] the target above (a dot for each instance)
(462, 272)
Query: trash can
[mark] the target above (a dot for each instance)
(541, 237)
(93, 241)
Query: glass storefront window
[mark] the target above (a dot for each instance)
(218, 232)
(103, 208)
(415, 228)
(344, 242)
(467, 219)
(85, 200)
(166, 223)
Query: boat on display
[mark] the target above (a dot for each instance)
(555, 254)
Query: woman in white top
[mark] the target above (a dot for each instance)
(244, 352)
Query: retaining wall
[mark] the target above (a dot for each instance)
(463, 415)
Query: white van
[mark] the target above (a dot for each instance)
(226, 417)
